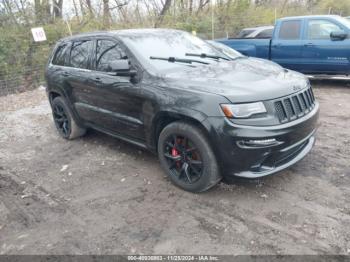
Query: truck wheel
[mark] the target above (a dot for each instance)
(64, 121)
(186, 156)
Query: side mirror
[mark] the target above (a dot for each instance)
(338, 35)
(121, 68)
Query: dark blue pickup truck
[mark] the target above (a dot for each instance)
(308, 44)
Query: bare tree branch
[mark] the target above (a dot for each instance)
(165, 8)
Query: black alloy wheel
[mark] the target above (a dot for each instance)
(64, 121)
(186, 156)
(61, 120)
(184, 159)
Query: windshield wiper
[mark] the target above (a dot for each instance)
(180, 60)
(239, 57)
(203, 55)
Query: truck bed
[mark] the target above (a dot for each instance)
(249, 46)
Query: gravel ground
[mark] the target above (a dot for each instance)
(98, 195)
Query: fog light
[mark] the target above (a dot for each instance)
(259, 142)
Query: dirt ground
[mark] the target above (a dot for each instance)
(98, 195)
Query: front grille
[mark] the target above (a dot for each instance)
(295, 106)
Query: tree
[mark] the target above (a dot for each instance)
(9, 10)
(202, 4)
(106, 14)
(89, 6)
(57, 8)
(163, 11)
(42, 11)
(340, 7)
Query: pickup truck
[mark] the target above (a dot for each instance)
(256, 32)
(308, 44)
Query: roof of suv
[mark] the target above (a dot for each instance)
(124, 32)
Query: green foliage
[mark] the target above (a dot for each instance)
(335, 6)
(22, 60)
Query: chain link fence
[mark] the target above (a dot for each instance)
(24, 70)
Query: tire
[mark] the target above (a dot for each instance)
(188, 142)
(64, 121)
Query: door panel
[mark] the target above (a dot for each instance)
(320, 54)
(116, 103)
(77, 74)
(286, 47)
(82, 93)
(58, 73)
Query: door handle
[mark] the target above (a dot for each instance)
(65, 74)
(309, 45)
(277, 45)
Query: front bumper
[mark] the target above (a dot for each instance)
(294, 140)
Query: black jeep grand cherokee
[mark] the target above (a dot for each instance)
(206, 114)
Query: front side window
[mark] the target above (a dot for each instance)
(106, 52)
(290, 30)
(61, 54)
(321, 29)
(79, 54)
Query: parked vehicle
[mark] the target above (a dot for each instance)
(206, 115)
(308, 44)
(256, 32)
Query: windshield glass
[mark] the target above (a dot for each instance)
(345, 21)
(168, 43)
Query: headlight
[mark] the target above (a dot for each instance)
(243, 110)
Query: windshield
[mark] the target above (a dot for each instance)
(344, 21)
(169, 43)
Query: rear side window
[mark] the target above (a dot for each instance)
(79, 54)
(244, 33)
(290, 30)
(267, 33)
(106, 52)
(60, 56)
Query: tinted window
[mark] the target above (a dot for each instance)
(290, 30)
(60, 55)
(267, 33)
(321, 29)
(79, 54)
(244, 33)
(107, 51)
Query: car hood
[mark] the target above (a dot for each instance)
(242, 80)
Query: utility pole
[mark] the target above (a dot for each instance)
(212, 19)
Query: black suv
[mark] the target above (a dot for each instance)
(206, 113)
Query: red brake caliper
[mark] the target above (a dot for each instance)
(174, 152)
